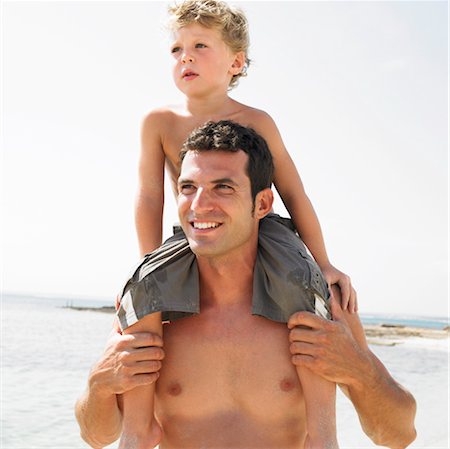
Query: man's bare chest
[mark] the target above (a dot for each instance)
(228, 366)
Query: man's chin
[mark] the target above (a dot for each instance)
(203, 248)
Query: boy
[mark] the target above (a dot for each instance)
(210, 52)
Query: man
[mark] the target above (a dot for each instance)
(228, 377)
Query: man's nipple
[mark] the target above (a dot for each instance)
(174, 389)
(287, 384)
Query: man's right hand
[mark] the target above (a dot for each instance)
(128, 361)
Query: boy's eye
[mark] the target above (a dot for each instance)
(175, 49)
(200, 45)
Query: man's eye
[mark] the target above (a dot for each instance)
(186, 188)
(224, 187)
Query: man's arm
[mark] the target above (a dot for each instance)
(128, 361)
(338, 351)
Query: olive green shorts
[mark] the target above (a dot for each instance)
(286, 279)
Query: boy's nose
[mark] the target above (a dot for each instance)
(186, 58)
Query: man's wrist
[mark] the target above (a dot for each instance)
(98, 388)
(366, 375)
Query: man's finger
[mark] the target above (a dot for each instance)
(301, 334)
(146, 354)
(146, 367)
(144, 379)
(307, 319)
(145, 339)
(302, 360)
(301, 348)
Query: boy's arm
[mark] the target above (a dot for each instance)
(290, 187)
(123, 366)
(139, 426)
(338, 351)
(150, 195)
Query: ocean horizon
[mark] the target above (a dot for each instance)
(407, 320)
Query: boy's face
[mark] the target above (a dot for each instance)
(203, 61)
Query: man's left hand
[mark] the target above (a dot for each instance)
(327, 348)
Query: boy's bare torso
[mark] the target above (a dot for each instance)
(227, 382)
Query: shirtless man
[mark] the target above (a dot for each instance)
(228, 378)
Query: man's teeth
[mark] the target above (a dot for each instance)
(205, 225)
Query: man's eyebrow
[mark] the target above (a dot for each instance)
(185, 181)
(224, 181)
(215, 181)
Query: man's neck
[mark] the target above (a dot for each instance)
(226, 281)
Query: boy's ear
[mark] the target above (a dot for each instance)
(263, 203)
(238, 63)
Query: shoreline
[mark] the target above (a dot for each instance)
(377, 334)
(393, 334)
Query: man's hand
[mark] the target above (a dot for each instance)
(327, 348)
(128, 361)
(338, 351)
(333, 276)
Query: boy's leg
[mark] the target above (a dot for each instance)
(320, 402)
(140, 430)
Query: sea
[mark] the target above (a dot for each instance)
(47, 350)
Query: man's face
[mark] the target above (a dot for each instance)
(215, 203)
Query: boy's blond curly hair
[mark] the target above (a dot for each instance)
(231, 23)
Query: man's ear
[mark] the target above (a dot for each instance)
(238, 63)
(263, 203)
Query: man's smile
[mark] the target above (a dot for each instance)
(205, 224)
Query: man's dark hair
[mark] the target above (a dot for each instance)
(230, 136)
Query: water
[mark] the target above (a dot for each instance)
(410, 321)
(47, 351)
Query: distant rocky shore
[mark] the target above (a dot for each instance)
(379, 334)
(106, 309)
(391, 334)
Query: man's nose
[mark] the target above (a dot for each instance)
(202, 202)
